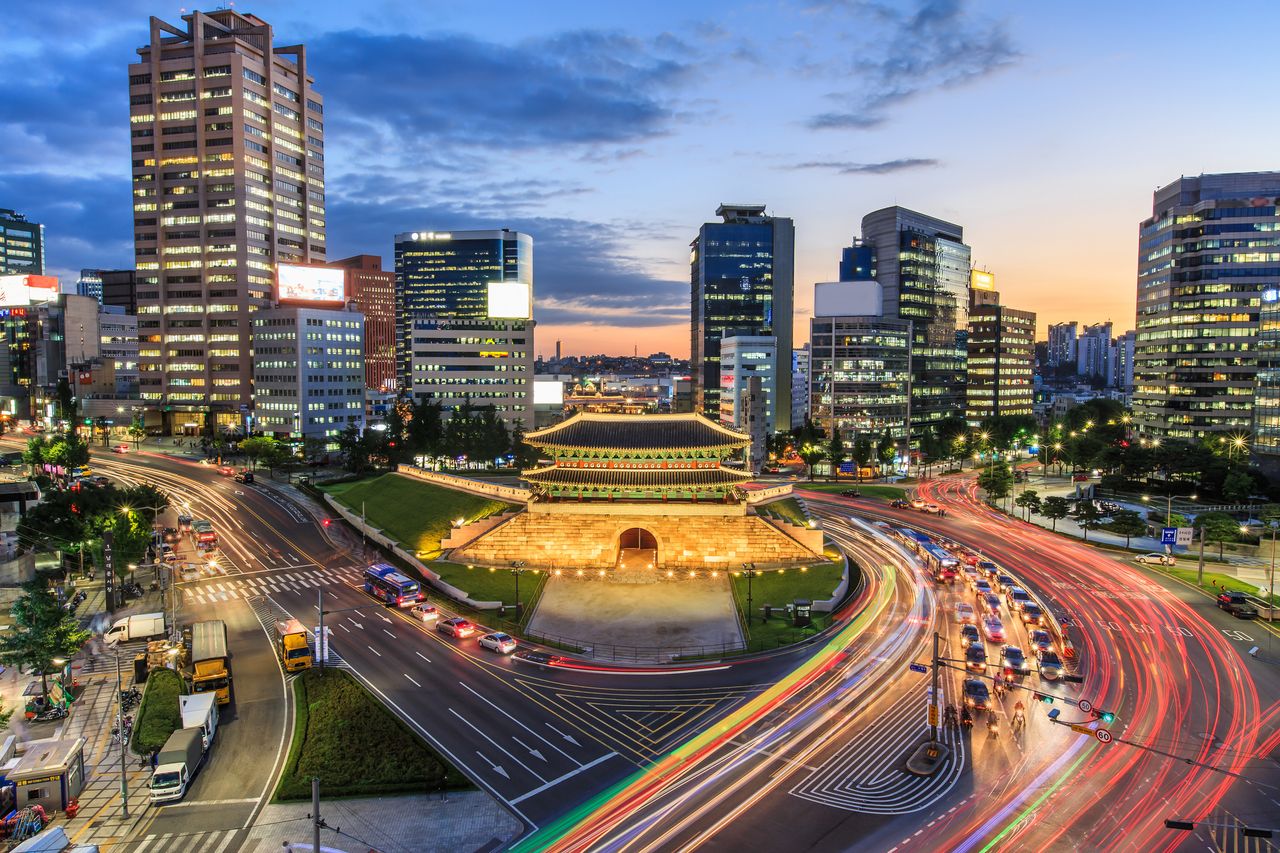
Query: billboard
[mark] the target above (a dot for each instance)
(510, 300)
(548, 392)
(980, 280)
(296, 283)
(27, 289)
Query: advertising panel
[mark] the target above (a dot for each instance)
(510, 300)
(980, 280)
(27, 289)
(548, 392)
(296, 283)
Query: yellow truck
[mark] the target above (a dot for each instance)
(210, 661)
(291, 645)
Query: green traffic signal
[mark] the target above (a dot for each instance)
(1108, 717)
(1045, 698)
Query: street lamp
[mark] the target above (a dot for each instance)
(749, 569)
(516, 568)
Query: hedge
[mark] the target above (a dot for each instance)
(159, 715)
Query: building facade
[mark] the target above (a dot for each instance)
(228, 181)
(1001, 362)
(742, 278)
(923, 267)
(41, 342)
(1094, 352)
(118, 336)
(474, 361)
(860, 365)
(90, 284)
(1062, 345)
(447, 275)
(373, 290)
(308, 372)
(743, 357)
(1206, 256)
(1122, 353)
(120, 288)
(1265, 449)
(799, 385)
(21, 244)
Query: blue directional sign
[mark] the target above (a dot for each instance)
(847, 468)
(918, 667)
(1168, 536)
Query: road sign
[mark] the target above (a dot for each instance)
(847, 468)
(1085, 705)
(1168, 536)
(1082, 729)
(917, 667)
(1184, 537)
(1103, 736)
(933, 715)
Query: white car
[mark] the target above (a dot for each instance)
(964, 613)
(932, 509)
(1156, 558)
(425, 612)
(917, 503)
(503, 644)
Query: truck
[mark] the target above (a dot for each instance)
(1237, 605)
(206, 536)
(291, 645)
(142, 626)
(211, 663)
(176, 765)
(200, 712)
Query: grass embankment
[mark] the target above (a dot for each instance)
(778, 589)
(158, 715)
(786, 509)
(889, 493)
(414, 513)
(483, 584)
(355, 746)
(1212, 580)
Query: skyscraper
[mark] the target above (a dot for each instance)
(742, 276)
(742, 359)
(1062, 346)
(373, 290)
(90, 284)
(1094, 352)
(228, 178)
(1001, 362)
(21, 244)
(922, 264)
(446, 275)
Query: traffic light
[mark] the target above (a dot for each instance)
(1105, 716)
(326, 522)
(1045, 698)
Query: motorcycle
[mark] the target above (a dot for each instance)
(949, 717)
(57, 712)
(993, 726)
(966, 718)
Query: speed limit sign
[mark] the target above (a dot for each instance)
(1103, 736)
(1085, 705)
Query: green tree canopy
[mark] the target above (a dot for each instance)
(42, 632)
(1217, 527)
(996, 480)
(1029, 500)
(1088, 516)
(1128, 524)
(1055, 507)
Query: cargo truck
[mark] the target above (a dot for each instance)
(176, 765)
(143, 626)
(200, 712)
(211, 664)
(291, 644)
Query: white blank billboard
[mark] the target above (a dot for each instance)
(548, 392)
(510, 300)
(309, 284)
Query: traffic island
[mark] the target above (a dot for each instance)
(928, 758)
(355, 746)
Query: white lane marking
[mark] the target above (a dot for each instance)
(521, 725)
(498, 746)
(375, 651)
(410, 677)
(527, 794)
(424, 657)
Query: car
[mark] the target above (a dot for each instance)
(1018, 598)
(899, 503)
(988, 568)
(190, 571)
(1032, 614)
(503, 644)
(1012, 662)
(970, 574)
(456, 627)
(424, 612)
(969, 633)
(81, 472)
(170, 557)
(932, 509)
(1005, 583)
(976, 694)
(991, 601)
(166, 547)
(981, 586)
(964, 612)
(244, 477)
(993, 628)
(184, 521)
(1080, 478)
(917, 503)
(975, 657)
(171, 534)
(1155, 558)
(1041, 641)
(1237, 605)
(120, 448)
(850, 493)
(1051, 667)
(226, 470)
(99, 480)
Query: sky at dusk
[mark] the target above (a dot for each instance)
(610, 132)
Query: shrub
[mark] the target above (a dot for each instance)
(158, 715)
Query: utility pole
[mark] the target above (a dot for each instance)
(320, 655)
(1200, 568)
(124, 741)
(362, 529)
(933, 698)
(315, 814)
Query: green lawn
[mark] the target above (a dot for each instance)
(414, 513)
(787, 508)
(1211, 579)
(158, 715)
(497, 585)
(889, 493)
(816, 583)
(355, 746)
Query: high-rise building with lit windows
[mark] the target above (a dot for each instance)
(228, 180)
(1206, 256)
(923, 264)
(21, 244)
(742, 274)
(1001, 361)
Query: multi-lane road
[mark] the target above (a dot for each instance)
(799, 750)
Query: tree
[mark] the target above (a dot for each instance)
(137, 432)
(886, 449)
(1236, 487)
(42, 631)
(257, 449)
(812, 454)
(996, 480)
(1053, 508)
(863, 453)
(835, 452)
(276, 455)
(524, 455)
(1029, 500)
(1217, 527)
(1088, 516)
(1128, 524)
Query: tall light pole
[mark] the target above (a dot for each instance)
(124, 740)
(749, 569)
(517, 566)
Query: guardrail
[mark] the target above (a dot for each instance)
(512, 494)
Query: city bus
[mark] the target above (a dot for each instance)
(914, 538)
(940, 563)
(384, 582)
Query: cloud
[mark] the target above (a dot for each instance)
(914, 49)
(887, 167)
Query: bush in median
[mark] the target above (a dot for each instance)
(355, 745)
(159, 715)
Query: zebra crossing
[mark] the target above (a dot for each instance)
(214, 841)
(106, 661)
(252, 586)
(269, 613)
